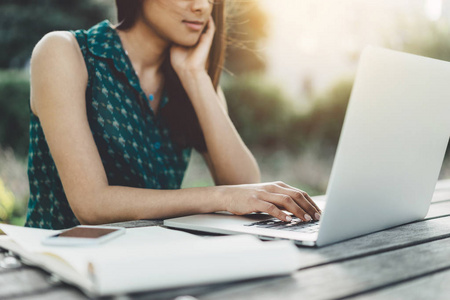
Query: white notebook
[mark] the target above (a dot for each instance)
(152, 258)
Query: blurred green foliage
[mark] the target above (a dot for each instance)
(258, 109)
(7, 201)
(324, 122)
(14, 112)
(424, 37)
(13, 178)
(265, 118)
(24, 22)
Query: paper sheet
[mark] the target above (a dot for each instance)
(135, 240)
(212, 260)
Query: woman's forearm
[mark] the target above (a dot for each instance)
(118, 203)
(232, 162)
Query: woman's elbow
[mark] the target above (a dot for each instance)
(87, 209)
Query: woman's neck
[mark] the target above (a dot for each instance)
(144, 47)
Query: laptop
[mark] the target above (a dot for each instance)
(389, 156)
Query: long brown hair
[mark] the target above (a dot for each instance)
(180, 114)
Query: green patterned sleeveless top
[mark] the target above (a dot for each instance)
(134, 145)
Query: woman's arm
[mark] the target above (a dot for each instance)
(58, 85)
(238, 166)
(228, 158)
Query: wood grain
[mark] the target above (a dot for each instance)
(394, 238)
(23, 281)
(435, 286)
(350, 277)
(135, 224)
(57, 293)
(438, 209)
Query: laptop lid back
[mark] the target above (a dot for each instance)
(392, 145)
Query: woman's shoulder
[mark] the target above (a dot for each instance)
(56, 61)
(58, 51)
(56, 44)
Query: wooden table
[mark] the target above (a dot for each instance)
(406, 262)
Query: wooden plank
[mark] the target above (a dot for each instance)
(434, 286)
(138, 223)
(23, 281)
(394, 238)
(443, 185)
(441, 195)
(10, 264)
(438, 209)
(57, 293)
(191, 291)
(350, 277)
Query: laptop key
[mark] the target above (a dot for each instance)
(296, 225)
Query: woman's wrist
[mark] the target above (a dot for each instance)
(219, 198)
(191, 78)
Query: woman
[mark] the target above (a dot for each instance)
(116, 111)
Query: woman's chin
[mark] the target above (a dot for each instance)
(187, 41)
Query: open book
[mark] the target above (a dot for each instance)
(152, 258)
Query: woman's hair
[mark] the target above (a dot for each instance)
(180, 114)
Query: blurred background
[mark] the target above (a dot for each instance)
(288, 77)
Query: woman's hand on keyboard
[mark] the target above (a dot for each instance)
(269, 198)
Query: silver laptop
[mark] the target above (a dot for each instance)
(390, 152)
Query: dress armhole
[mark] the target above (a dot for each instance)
(81, 38)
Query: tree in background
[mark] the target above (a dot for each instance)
(14, 112)
(323, 123)
(423, 37)
(22, 25)
(426, 38)
(24, 22)
(6, 203)
(259, 110)
(257, 107)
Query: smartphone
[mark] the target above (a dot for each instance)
(84, 236)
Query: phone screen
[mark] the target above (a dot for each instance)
(87, 233)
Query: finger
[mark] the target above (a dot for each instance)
(306, 196)
(284, 201)
(303, 199)
(313, 203)
(207, 37)
(272, 210)
(300, 197)
(211, 26)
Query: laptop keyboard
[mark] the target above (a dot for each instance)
(296, 225)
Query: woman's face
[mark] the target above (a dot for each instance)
(177, 21)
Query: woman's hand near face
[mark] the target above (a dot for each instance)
(270, 198)
(186, 60)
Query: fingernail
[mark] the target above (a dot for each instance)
(317, 215)
(288, 218)
(308, 217)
